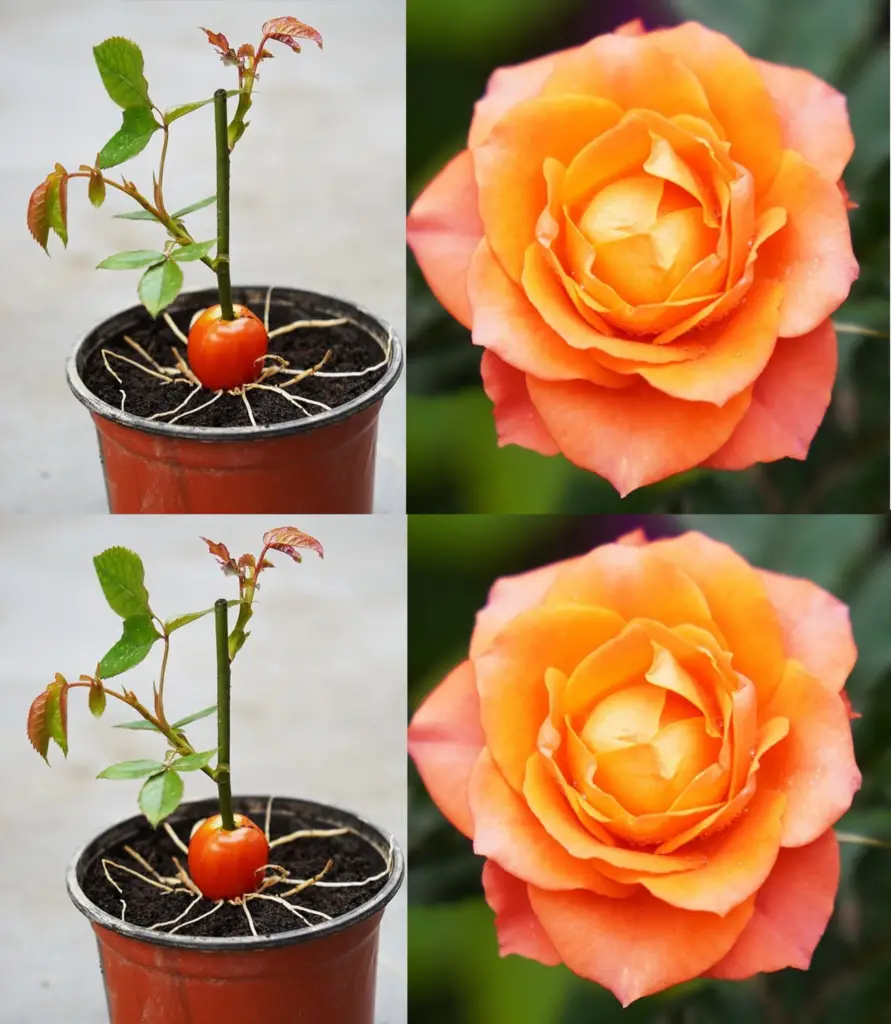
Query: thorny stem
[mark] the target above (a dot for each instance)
(223, 775)
(222, 260)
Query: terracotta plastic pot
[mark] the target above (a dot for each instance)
(324, 974)
(320, 463)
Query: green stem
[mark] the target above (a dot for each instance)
(222, 259)
(223, 774)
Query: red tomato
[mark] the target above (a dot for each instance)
(225, 353)
(226, 865)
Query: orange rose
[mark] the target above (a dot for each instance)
(650, 745)
(647, 235)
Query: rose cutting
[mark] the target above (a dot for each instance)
(647, 236)
(650, 745)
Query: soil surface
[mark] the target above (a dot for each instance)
(354, 859)
(351, 347)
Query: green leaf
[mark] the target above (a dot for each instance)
(137, 215)
(133, 647)
(131, 770)
(186, 108)
(195, 206)
(868, 99)
(140, 724)
(193, 762)
(159, 286)
(56, 203)
(183, 620)
(96, 190)
(57, 712)
(121, 576)
(131, 260)
(869, 617)
(195, 251)
(120, 63)
(160, 796)
(194, 717)
(97, 701)
(138, 126)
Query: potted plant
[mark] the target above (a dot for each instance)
(206, 910)
(226, 399)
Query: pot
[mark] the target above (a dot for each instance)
(324, 974)
(319, 463)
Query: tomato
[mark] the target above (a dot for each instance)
(226, 353)
(225, 865)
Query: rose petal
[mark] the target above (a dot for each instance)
(518, 929)
(812, 255)
(443, 229)
(634, 436)
(736, 95)
(792, 910)
(738, 349)
(510, 675)
(789, 401)
(816, 627)
(738, 602)
(504, 322)
(635, 946)
(814, 765)
(512, 189)
(506, 831)
(517, 421)
(739, 861)
(813, 117)
(508, 598)
(444, 740)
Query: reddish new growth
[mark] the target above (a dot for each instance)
(227, 345)
(230, 849)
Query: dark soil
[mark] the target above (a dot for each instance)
(354, 859)
(351, 348)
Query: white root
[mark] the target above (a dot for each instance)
(168, 828)
(322, 833)
(200, 917)
(247, 405)
(284, 394)
(126, 359)
(185, 878)
(247, 914)
(166, 371)
(307, 882)
(284, 903)
(179, 917)
(298, 324)
(217, 396)
(136, 874)
(172, 325)
(266, 306)
(182, 405)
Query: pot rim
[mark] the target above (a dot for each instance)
(375, 393)
(378, 837)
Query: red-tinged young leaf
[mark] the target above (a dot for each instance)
(288, 31)
(266, 564)
(245, 50)
(288, 539)
(38, 216)
(247, 561)
(221, 43)
(221, 553)
(57, 202)
(96, 189)
(97, 699)
(57, 712)
(38, 726)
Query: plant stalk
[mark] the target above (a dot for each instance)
(221, 263)
(222, 773)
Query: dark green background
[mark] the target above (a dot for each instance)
(454, 463)
(455, 974)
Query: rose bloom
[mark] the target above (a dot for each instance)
(647, 234)
(650, 745)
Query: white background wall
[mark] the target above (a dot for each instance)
(318, 709)
(318, 197)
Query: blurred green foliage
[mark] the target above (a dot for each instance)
(454, 463)
(455, 973)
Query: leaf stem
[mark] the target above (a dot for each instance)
(223, 774)
(221, 263)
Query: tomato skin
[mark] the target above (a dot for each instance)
(226, 865)
(225, 354)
